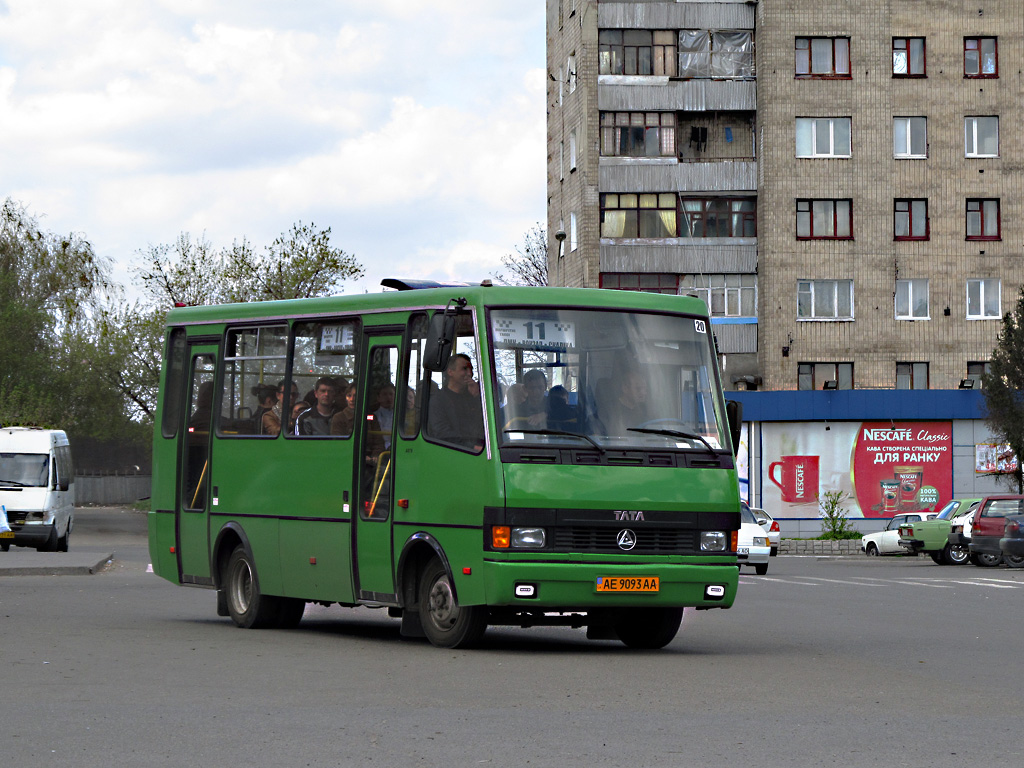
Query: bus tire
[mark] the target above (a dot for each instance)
(446, 623)
(248, 607)
(648, 628)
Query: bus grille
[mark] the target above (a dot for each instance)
(649, 540)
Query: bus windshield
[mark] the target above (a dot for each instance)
(615, 379)
(29, 470)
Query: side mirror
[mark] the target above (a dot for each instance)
(440, 338)
(734, 412)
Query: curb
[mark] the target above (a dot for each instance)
(828, 548)
(33, 564)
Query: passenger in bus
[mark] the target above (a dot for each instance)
(200, 418)
(316, 421)
(297, 409)
(515, 396)
(266, 397)
(561, 415)
(535, 407)
(342, 421)
(454, 413)
(340, 399)
(385, 413)
(629, 409)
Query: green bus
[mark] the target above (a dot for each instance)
(463, 455)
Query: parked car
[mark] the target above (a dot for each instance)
(960, 536)
(887, 542)
(36, 488)
(932, 536)
(752, 543)
(990, 525)
(1012, 543)
(770, 526)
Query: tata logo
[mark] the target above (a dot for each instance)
(628, 514)
(626, 539)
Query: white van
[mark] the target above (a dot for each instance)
(36, 488)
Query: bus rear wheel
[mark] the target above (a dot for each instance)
(248, 607)
(648, 628)
(446, 623)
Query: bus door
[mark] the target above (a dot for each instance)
(192, 537)
(375, 468)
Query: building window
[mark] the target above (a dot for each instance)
(977, 369)
(814, 375)
(824, 299)
(823, 137)
(981, 136)
(910, 219)
(717, 54)
(573, 242)
(824, 219)
(634, 281)
(983, 219)
(719, 217)
(909, 137)
(911, 375)
(725, 295)
(983, 299)
(571, 71)
(561, 161)
(647, 215)
(561, 87)
(908, 57)
(572, 150)
(912, 299)
(638, 134)
(637, 52)
(981, 57)
(822, 57)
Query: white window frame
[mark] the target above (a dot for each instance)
(570, 67)
(813, 289)
(811, 126)
(971, 136)
(906, 152)
(572, 150)
(724, 291)
(572, 232)
(908, 294)
(984, 286)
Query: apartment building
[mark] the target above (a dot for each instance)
(840, 181)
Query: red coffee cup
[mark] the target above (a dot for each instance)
(798, 479)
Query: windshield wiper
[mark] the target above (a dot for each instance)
(674, 433)
(588, 438)
(13, 484)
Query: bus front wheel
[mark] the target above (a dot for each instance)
(248, 607)
(648, 628)
(446, 623)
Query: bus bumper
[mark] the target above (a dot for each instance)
(573, 586)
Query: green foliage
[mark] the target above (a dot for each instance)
(1003, 387)
(49, 289)
(834, 521)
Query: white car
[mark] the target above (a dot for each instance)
(752, 543)
(887, 542)
(770, 526)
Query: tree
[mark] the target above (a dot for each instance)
(529, 264)
(1003, 387)
(301, 263)
(50, 287)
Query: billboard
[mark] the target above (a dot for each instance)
(883, 467)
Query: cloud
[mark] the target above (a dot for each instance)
(414, 129)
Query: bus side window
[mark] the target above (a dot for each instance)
(323, 367)
(409, 396)
(254, 364)
(454, 415)
(174, 386)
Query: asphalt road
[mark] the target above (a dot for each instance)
(852, 662)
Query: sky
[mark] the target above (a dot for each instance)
(414, 129)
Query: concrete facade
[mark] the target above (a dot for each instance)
(748, 123)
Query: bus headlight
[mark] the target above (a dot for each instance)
(713, 541)
(529, 538)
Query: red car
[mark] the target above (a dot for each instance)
(989, 526)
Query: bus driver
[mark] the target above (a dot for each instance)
(455, 415)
